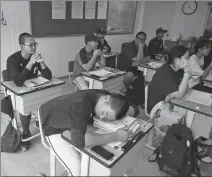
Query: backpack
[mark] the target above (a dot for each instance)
(11, 138)
(135, 94)
(177, 153)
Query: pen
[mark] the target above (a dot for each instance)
(33, 82)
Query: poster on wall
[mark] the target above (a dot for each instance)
(58, 9)
(102, 10)
(90, 9)
(208, 27)
(77, 10)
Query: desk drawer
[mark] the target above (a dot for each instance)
(30, 102)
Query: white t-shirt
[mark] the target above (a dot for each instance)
(196, 66)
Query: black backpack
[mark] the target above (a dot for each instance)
(177, 153)
(135, 94)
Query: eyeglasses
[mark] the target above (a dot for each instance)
(141, 39)
(31, 45)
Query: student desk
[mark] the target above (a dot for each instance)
(109, 56)
(112, 83)
(94, 165)
(208, 80)
(149, 70)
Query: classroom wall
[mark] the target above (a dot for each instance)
(169, 15)
(56, 51)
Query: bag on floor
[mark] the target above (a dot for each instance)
(135, 94)
(177, 153)
(11, 138)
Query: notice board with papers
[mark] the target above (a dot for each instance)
(42, 24)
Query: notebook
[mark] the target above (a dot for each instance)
(34, 82)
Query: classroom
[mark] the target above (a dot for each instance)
(106, 88)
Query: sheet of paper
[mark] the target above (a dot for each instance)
(36, 81)
(90, 9)
(77, 10)
(102, 10)
(100, 72)
(58, 9)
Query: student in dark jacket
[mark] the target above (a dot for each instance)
(102, 43)
(155, 47)
(24, 65)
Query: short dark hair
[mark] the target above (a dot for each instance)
(140, 33)
(176, 51)
(200, 43)
(23, 36)
(120, 104)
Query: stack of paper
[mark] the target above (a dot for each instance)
(155, 64)
(36, 82)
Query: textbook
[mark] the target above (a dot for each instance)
(112, 126)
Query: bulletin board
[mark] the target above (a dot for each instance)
(42, 24)
(120, 19)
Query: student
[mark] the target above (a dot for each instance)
(24, 65)
(202, 48)
(102, 43)
(86, 60)
(73, 113)
(170, 80)
(155, 47)
(133, 54)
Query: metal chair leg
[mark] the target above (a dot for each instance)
(52, 164)
(150, 140)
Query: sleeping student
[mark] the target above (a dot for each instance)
(86, 60)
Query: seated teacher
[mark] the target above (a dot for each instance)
(24, 65)
(202, 48)
(133, 54)
(86, 59)
(73, 113)
(102, 43)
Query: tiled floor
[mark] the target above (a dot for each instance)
(36, 160)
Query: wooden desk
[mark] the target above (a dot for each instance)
(26, 100)
(97, 166)
(111, 83)
(148, 70)
(112, 54)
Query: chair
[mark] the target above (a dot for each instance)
(70, 74)
(43, 111)
(152, 115)
(5, 75)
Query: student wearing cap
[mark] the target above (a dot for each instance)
(86, 59)
(102, 43)
(155, 47)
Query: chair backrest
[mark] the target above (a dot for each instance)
(146, 99)
(5, 75)
(70, 66)
(123, 45)
(43, 112)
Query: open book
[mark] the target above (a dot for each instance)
(34, 82)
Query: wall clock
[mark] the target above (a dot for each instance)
(189, 7)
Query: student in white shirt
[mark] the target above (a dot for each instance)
(196, 61)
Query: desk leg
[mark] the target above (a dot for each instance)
(85, 163)
(91, 83)
(189, 118)
(116, 61)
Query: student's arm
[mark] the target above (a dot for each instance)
(184, 85)
(45, 71)
(102, 62)
(94, 139)
(207, 71)
(140, 59)
(14, 70)
(91, 63)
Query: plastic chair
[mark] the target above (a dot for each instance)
(70, 74)
(152, 115)
(43, 111)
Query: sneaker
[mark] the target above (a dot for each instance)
(37, 125)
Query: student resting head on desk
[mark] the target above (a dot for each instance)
(170, 81)
(133, 54)
(202, 48)
(24, 65)
(155, 47)
(73, 113)
(102, 43)
(86, 60)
